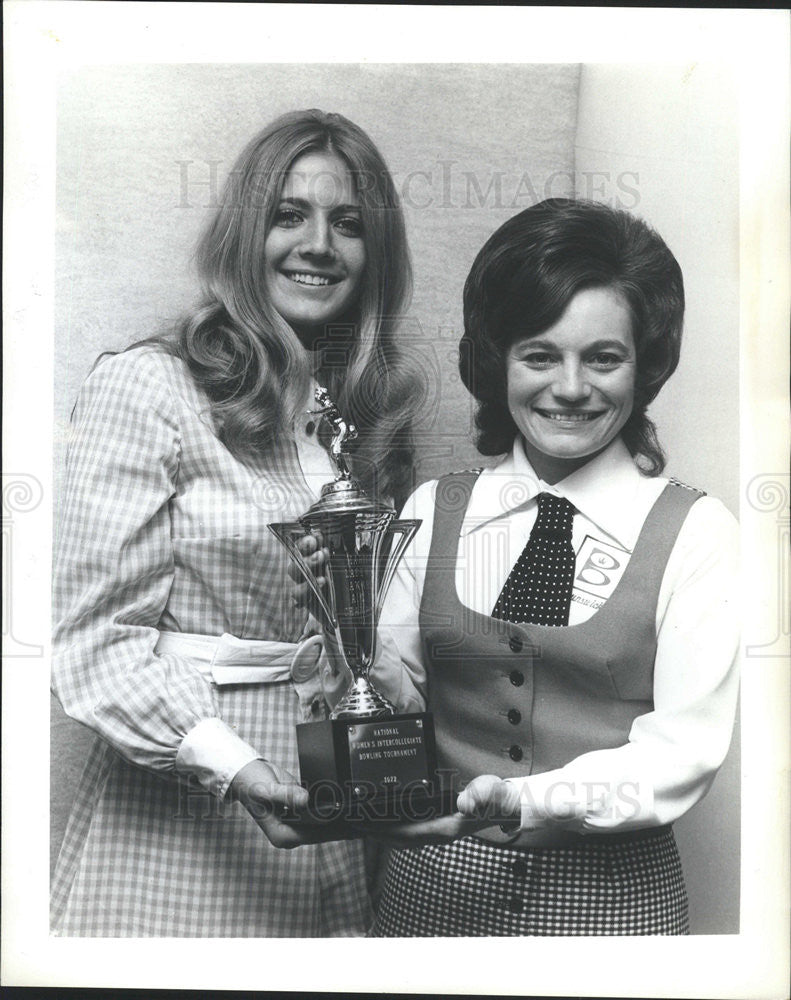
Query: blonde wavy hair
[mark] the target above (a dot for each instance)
(247, 358)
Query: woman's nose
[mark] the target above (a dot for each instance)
(571, 383)
(317, 240)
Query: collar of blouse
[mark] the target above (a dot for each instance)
(609, 490)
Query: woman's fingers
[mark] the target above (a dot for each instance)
(293, 796)
(315, 555)
(489, 797)
(312, 546)
(287, 835)
(303, 596)
(442, 830)
(316, 558)
(269, 790)
(264, 789)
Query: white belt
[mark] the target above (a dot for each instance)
(228, 660)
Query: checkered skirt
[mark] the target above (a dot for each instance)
(471, 888)
(146, 856)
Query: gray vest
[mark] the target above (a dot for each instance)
(513, 699)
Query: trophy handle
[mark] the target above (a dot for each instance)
(402, 533)
(288, 534)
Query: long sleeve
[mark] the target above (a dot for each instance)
(114, 572)
(675, 750)
(399, 668)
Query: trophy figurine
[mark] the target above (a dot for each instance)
(365, 762)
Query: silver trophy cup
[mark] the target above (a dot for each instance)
(365, 543)
(365, 755)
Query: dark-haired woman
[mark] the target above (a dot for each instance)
(580, 674)
(177, 639)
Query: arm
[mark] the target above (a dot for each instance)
(114, 571)
(674, 751)
(400, 671)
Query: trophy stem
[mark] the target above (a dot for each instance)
(362, 701)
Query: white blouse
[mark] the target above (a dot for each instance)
(674, 751)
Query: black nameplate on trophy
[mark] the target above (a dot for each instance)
(390, 753)
(371, 770)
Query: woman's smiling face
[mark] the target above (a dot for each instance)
(314, 254)
(571, 388)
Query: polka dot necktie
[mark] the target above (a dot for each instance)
(538, 588)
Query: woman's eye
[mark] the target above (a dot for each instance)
(349, 225)
(287, 218)
(538, 359)
(605, 360)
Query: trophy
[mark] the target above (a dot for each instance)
(365, 762)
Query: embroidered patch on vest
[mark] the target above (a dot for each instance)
(600, 566)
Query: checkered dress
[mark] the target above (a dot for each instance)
(471, 888)
(163, 528)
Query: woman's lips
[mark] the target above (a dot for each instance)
(306, 278)
(570, 416)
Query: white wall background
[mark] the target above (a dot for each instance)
(143, 150)
(469, 145)
(670, 133)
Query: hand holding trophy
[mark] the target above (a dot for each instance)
(365, 762)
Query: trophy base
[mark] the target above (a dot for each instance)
(371, 770)
(362, 702)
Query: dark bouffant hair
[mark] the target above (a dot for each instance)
(522, 281)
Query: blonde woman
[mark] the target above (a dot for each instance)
(177, 639)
